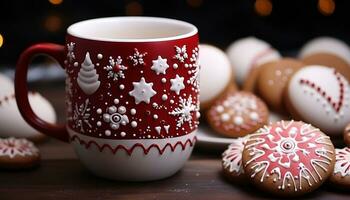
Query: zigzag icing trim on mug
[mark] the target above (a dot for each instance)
(292, 151)
(130, 145)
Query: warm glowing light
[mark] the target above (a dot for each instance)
(55, 2)
(263, 7)
(53, 23)
(195, 3)
(133, 8)
(1, 40)
(326, 7)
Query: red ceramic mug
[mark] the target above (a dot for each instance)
(131, 94)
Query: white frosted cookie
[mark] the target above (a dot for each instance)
(13, 125)
(341, 173)
(319, 95)
(326, 45)
(215, 74)
(247, 53)
(232, 160)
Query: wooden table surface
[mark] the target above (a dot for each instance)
(61, 176)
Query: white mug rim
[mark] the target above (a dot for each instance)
(73, 29)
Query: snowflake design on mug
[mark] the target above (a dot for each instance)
(137, 58)
(184, 111)
(70, 51)
(181, 53)
(115, 68)
(81, 115)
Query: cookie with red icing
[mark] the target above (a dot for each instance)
(232, 160)
(288, 158)
(18, 153)
(341, 173)
(237, 114)
(320, 95)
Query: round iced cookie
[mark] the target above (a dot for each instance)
(320, 96)
(232, 161)
(346, 135)
(326, 45)
(248, 53)
(216, 74)
(273, 79)
(288, 158)
(10, 115)
(237, 114)
(329, 60)
(341, 174)
(18, 154)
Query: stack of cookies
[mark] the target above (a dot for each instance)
(286, 115)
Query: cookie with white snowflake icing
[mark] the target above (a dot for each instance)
(232, 160)
(319, 95)
(288, 158)
(237, 114)
(341, 173)
(18, 153)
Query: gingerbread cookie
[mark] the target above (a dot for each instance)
(237, 114)
(341, 174)
(18, 153)
(273, 79)
(329, 60)
(232, 160)
(288, 158)
(319, 95)
(214, 64)
(347, 135)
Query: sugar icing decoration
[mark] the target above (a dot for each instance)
(177, 84)
(232, 157)
(292, 151)
(70, 51)
(342, 161)
(143, 91)
(13, 147)
(181, 53)
(115, 68)
(160, 65)
(87, 76)
(137, 58)
(238, 111)
(336, 105)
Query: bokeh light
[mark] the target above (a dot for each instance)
(326, 7)
(133, 8)
(55, 2)
(1, 40)
(195, 3)
(53, 23)
(263, 7)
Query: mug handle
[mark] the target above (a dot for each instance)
(21, 89)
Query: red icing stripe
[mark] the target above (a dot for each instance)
(335, 105)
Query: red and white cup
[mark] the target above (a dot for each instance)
(131, 95)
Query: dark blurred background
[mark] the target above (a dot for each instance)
(286, 24)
